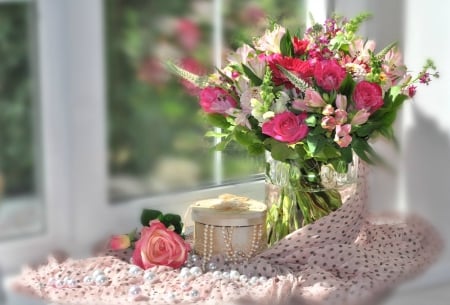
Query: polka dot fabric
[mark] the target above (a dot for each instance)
(346, 258)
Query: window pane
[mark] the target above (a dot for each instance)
(244, 20)
(20, 210)
(156, 141)
(156, 129)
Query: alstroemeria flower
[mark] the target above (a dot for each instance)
(119, 242)
(159, 246)
(328, 110)
(360, 50)
(216, 100)
(286, 127)
(270, 41)
(341, 102)
(340, 116)
(342, 137)
(328, 123)
(360, 117)
(313, 99)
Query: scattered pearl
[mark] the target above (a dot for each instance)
(217, 274)
(149, 275)
(134, 270)
(71, 283)
(243, 278)
(134, 290)
(170, 297)
(88, 280)
(185, 272)
(51, 282)
(194, 293)
(262, 279)
(212, 266)
(97, 273)
(101, 280)
(59, 284)
(194, 258)
(234, 274)
(254, 280)
(226, 275)
(196, 271)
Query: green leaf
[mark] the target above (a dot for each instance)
(315, 143)
(280, 151)
(223, 144)
(347, 85)
(386, 49)
(256, 149)
(172, 220)
(245, 137)
(252, 76)
(214, 134)
(311, 121)
(286, 45)
(218, 120)
(149, 215)
(340, 166)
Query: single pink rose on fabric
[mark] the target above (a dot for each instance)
(159, 246)
(329, 74)
(368, 96)
(286, 127)
(216, 100)
(119, 242)
(342, 137)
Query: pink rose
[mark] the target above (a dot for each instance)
(368, 96)
(159, 246)
(329, 74)
(216, 100)
(286, 127)
(119, 242)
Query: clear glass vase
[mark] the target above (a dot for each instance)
(299, 193)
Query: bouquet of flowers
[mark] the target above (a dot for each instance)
(311, 101)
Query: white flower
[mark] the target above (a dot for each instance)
(258, 109)
(280, 103)
(270, 41)
(258, 66)
(241, 55)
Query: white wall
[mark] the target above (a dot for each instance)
(422, 183)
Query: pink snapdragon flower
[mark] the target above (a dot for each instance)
(342, 137)
(216, 100)
(286, 127)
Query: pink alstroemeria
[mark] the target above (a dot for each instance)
(340, 116)
(299, 104)
(328, 123)
(313, 99)
(360, 117)
(119, 242)
(342, 137)
(341, 102)
(328, 110)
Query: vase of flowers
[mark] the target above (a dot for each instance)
(311, 102)
(299, 193)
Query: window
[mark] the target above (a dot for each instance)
(155, 129)
(21, 209)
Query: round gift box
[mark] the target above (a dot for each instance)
(230, 225)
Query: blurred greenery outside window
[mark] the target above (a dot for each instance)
(17, 121)
(155, 126)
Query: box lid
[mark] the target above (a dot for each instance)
(229, 210)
